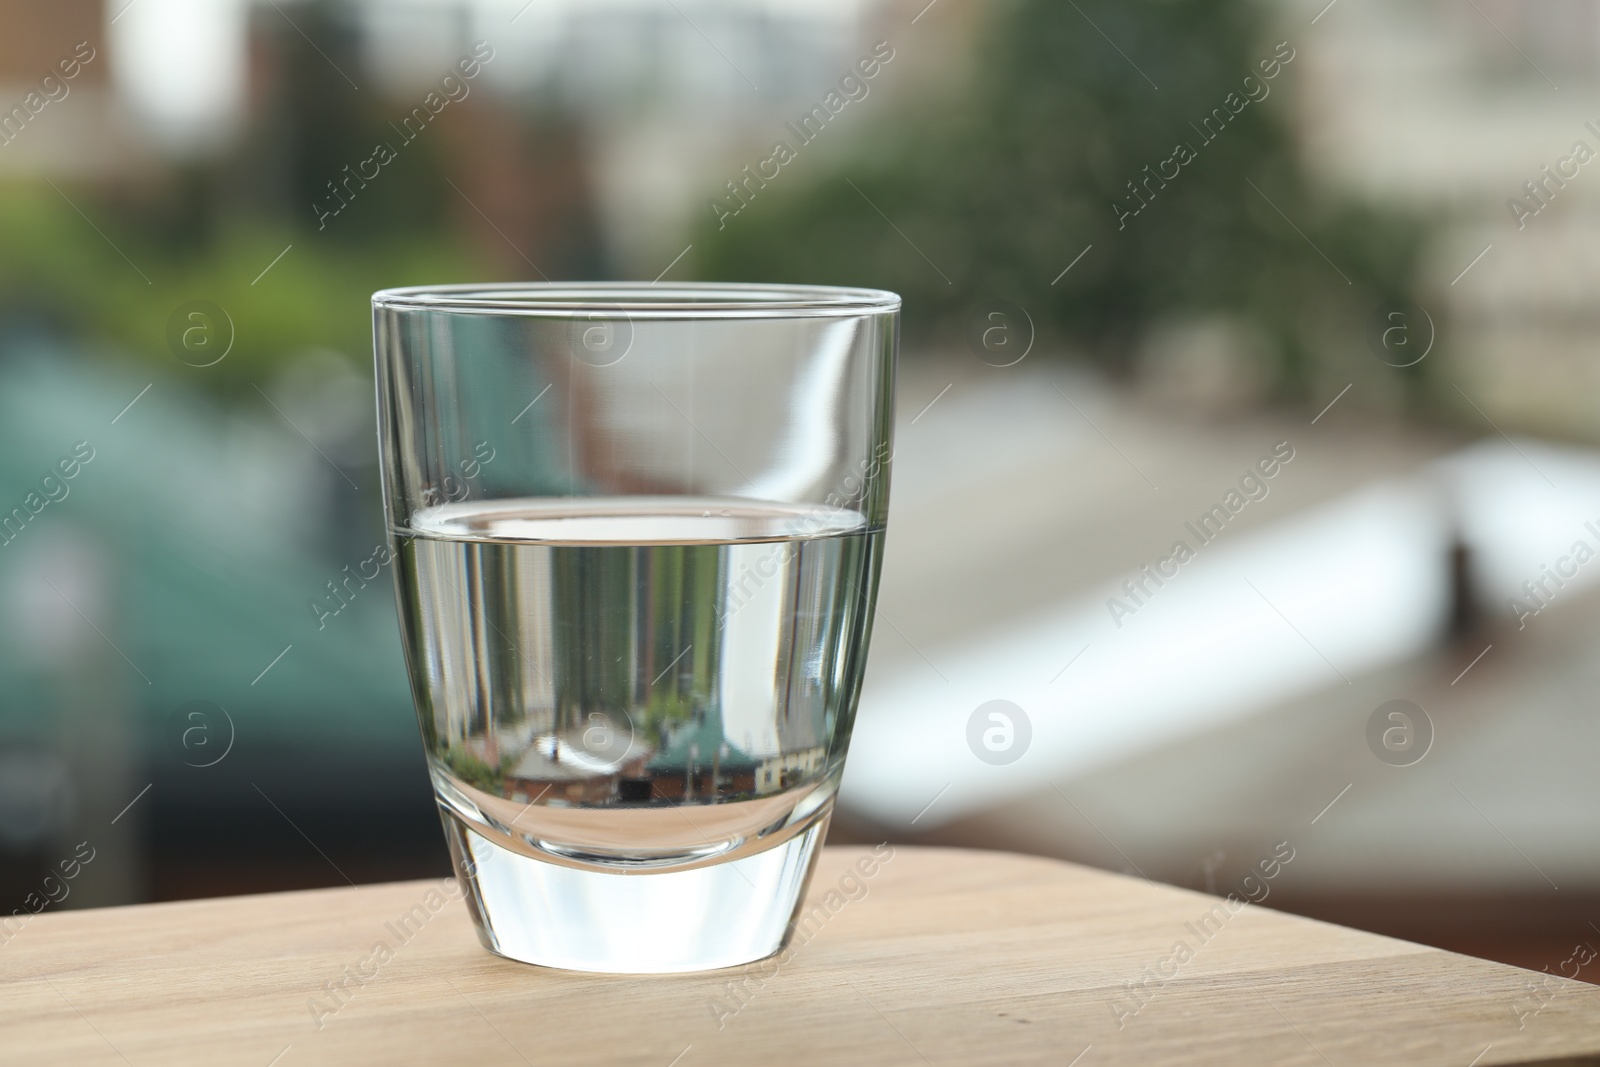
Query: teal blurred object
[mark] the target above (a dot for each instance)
(178, 564)
(209, 528)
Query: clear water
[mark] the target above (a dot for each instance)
(636, 681)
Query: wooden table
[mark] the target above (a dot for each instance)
(940, 956)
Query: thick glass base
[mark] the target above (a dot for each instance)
(587, 919)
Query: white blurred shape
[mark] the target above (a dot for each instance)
(56, 590)
(407, 48)
(812, 444)
(1337, 592)
(1298, 607)
(180, 65)
(1518, 522)
(747, 713)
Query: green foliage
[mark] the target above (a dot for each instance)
(474, 771)
(1002, 187)
(56, 270)
(113, 263)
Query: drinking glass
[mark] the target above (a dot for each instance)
(637, 532)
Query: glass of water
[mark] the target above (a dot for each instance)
(637, 534)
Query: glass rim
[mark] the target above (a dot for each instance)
(722, 300)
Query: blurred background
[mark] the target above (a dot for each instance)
(1150, 251)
